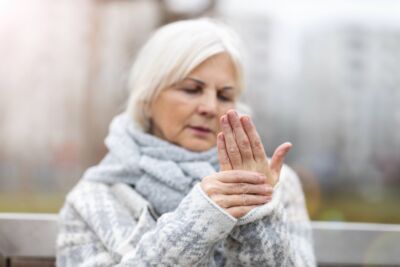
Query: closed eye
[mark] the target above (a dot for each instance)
(192, 91)
(225, 95)
(224, 98)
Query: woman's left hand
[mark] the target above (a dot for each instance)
(240, 148)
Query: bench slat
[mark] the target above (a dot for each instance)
(336, 243)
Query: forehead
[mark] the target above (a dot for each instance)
(218, 69)
(219, 61)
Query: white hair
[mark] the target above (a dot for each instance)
(172, 52)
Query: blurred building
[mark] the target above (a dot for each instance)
(351, 88)
(63, 77)
(326, 77)
(323, 75)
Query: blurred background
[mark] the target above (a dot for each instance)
(324, 75)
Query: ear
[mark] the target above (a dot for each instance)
(147, 109)
(146, 116)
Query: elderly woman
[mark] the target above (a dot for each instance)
(186, 181)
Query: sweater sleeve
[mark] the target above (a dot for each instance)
(99, 232)
(275, 234)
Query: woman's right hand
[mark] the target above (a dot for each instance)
(237, 191)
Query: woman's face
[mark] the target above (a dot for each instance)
(187, 113)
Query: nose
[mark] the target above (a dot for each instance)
(208, 105)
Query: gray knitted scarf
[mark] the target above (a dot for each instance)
(161, 172)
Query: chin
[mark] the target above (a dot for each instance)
(199, 146)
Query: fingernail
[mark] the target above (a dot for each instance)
(268, 188)
(223, 119)
(261, 176)
(288, 147)
(246, 119)
(267, 198)
(232, 112)
(250, 120)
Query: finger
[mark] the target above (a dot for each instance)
(245, 188)
(241, 138)
(255, 140)
(222, 153)
(228, 201)
(278, 157)
(241, 176)
(230, 143)
(238, 212)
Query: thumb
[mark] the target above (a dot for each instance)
(278, 157)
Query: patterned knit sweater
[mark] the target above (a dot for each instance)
(143, 206)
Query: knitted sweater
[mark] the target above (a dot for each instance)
(143, 206)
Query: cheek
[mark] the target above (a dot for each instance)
(223, 110)
(227, 106)
(175, 121)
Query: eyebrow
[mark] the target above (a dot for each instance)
(203, 83)
(196, 81)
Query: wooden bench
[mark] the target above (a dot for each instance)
(29, 240)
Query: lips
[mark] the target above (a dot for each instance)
(200, 128)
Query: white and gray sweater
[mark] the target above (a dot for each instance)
(143, 206)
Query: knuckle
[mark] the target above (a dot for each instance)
(221, 201)
(216, 199)
(204, 186)
(243, 188)
(208, 188)
(245, 143)
(212, 189)
(223, 157)
(231, 187)
(260, 178)
(258, 144)
(232, 150)
(233, 179)
(237, 126)
(244, 200)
